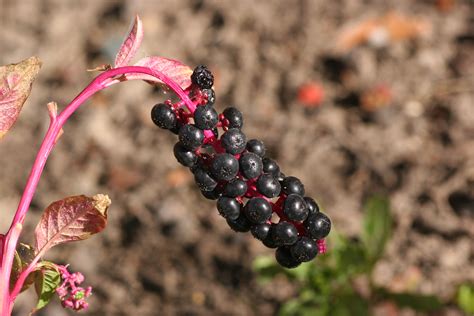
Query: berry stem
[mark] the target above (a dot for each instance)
(10, 240)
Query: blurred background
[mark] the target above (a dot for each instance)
(370, 103)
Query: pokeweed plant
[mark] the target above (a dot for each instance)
(252, 193)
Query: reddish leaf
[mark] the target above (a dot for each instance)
(175, 70)
(131, 44)
(71, 219)
(15, 87)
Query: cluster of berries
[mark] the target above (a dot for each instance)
(252, 193)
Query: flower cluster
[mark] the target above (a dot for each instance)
(70, 293)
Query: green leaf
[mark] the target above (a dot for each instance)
(46, 283)
(418, 302)
(465, 298)
(377, 227)
(349, 304)
(24, 254)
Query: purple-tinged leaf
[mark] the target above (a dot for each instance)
(71, 219)
(131, 44)
(15, 87)
(175, 70)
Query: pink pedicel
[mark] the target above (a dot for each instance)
(70, 293)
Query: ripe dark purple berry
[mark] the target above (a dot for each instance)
(313, 207)
(305, 249)
(205, 117)
(224, 167)
(235, 188)
(258, 210)
(285, 234)
(211, 96)
(204, 181)
(212, 195)
(228, 207)
(261, 231)
(318, 225)
(270, 166)
(285, 259)
(268, 185)
(233, 141)
(291, 185)
(191, 137)
(202, 77)
(241, 224)
(163, 116)
(295, 208)
(234, 117)
(250, 165)
(257, 147)
(186, 157)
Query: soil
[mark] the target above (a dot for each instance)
(166, 251)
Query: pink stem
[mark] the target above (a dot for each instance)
(11, 238)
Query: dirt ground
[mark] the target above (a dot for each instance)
(166, 251)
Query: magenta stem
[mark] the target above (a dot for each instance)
(11, 238)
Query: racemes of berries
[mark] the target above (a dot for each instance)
(251, 191)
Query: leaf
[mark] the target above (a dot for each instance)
(46, 283)
(418, 302)
(15, 87)
(377, 226)
(24, 254)
(131, 44)
(175, 70)
(71, 219)
(465, 298)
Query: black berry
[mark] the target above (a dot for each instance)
(295, 208)
(305, 249)
(163, 116)
(285, 259)
(270, 166)
(228, 207)
(235, 188)
(258, 210)
(257, 147)
(291, 185)
(202, 77)
(241, 224)
(190, 136)
(205, 117)
(211, 96)
(204, 181)
(234, 117)
(224, 167)
(250, 165)
(268, 185)
(212, 195)
(184, 156)
(313, 207)
(285, 234)
(233, 141)
(318, 225)
(261, 231)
